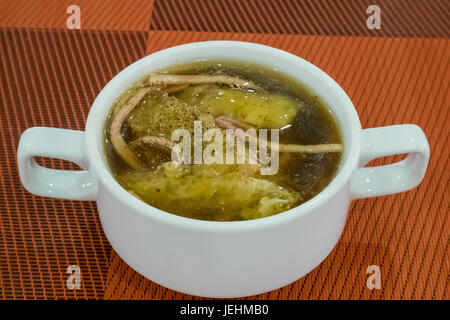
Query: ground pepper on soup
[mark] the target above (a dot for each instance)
(231, 110)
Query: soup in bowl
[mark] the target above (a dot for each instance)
(230, 246)
(255, 142)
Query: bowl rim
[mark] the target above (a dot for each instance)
(97, 163)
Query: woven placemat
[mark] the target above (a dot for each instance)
(390, 81)
(50, 77)
(399, 74)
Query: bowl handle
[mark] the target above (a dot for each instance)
(393, 178)
(61, 144)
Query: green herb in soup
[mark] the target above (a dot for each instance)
(219, 96)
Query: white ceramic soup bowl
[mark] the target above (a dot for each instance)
(223, 259)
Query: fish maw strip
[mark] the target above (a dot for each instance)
(117, 140)
(163, 143)
(226, 122)
(230, 123)
(314, 148)
(169, 79)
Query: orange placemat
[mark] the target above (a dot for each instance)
(390, 81)
(50, 77)
(399, 74)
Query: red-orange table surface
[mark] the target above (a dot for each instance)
(400, 74)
